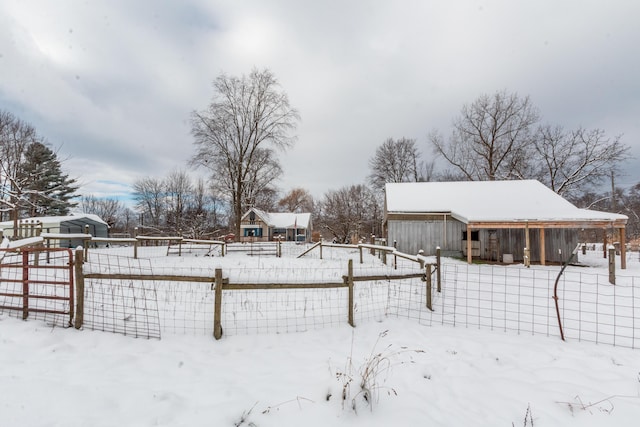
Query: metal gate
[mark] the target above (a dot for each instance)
(37, 282)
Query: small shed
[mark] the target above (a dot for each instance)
(70, 224)
(490, 220)
(259, 226)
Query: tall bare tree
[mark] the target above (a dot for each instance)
(297, 200)
(348, 212)
(178, 193)
(398, 161)
(150, 200)
(248, 117)
(569, 162)
(490, 138)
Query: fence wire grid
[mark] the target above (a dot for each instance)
(505, 298)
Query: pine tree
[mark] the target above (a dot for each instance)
(49, 191)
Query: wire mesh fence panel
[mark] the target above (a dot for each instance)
(597, 311)
(282, 310)
(120, 305)
(521, 300)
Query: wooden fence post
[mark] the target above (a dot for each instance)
(320, 249)
(360, 247)
(439, 269)
(350, 283)
(612, 265)
(428, 274)
(135, 244)
(217, 308)
(79, 284)
(25, 284)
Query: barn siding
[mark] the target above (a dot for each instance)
(559, 243)
(410, 236)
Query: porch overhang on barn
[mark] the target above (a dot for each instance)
(524, 204)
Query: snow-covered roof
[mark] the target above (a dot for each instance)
(489, 201)
(283, 219)
(57, 219)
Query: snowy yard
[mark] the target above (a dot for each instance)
(290, 366)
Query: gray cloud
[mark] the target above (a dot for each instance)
(114, 82)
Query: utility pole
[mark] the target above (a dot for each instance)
(613, 193)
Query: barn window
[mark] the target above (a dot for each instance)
(475, 236)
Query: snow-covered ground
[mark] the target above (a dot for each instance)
(414, 374)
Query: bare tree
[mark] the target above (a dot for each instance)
(109, 209)
(490, 138)
(150, 200)
(15, 137)
(178, 191)
(348, 213)
(569, 162)
(297, 200)
(247, 118)
(398, 161)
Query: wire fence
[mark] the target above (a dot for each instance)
(520, 300)
(495, 297)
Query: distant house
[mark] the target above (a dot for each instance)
(260, 226)
(70, 224)
(489, 220)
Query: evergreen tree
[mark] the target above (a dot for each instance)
(49, 191)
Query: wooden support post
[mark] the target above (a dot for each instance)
(527, 249)
(360, 248)
(217, 307)
(469, 255)
(612, 265)
(439, 270)
(428, 277)
(604, 244)
(623, 249)
(79, 284)
(543, 250)
(25, 284)
(350, 283)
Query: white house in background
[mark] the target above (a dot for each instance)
(260, 226)
(69, 224)
(490, 220)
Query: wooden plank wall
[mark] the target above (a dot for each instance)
(414, 235)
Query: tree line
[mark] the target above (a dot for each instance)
(237, 139)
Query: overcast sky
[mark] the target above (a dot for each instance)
(112, 83)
